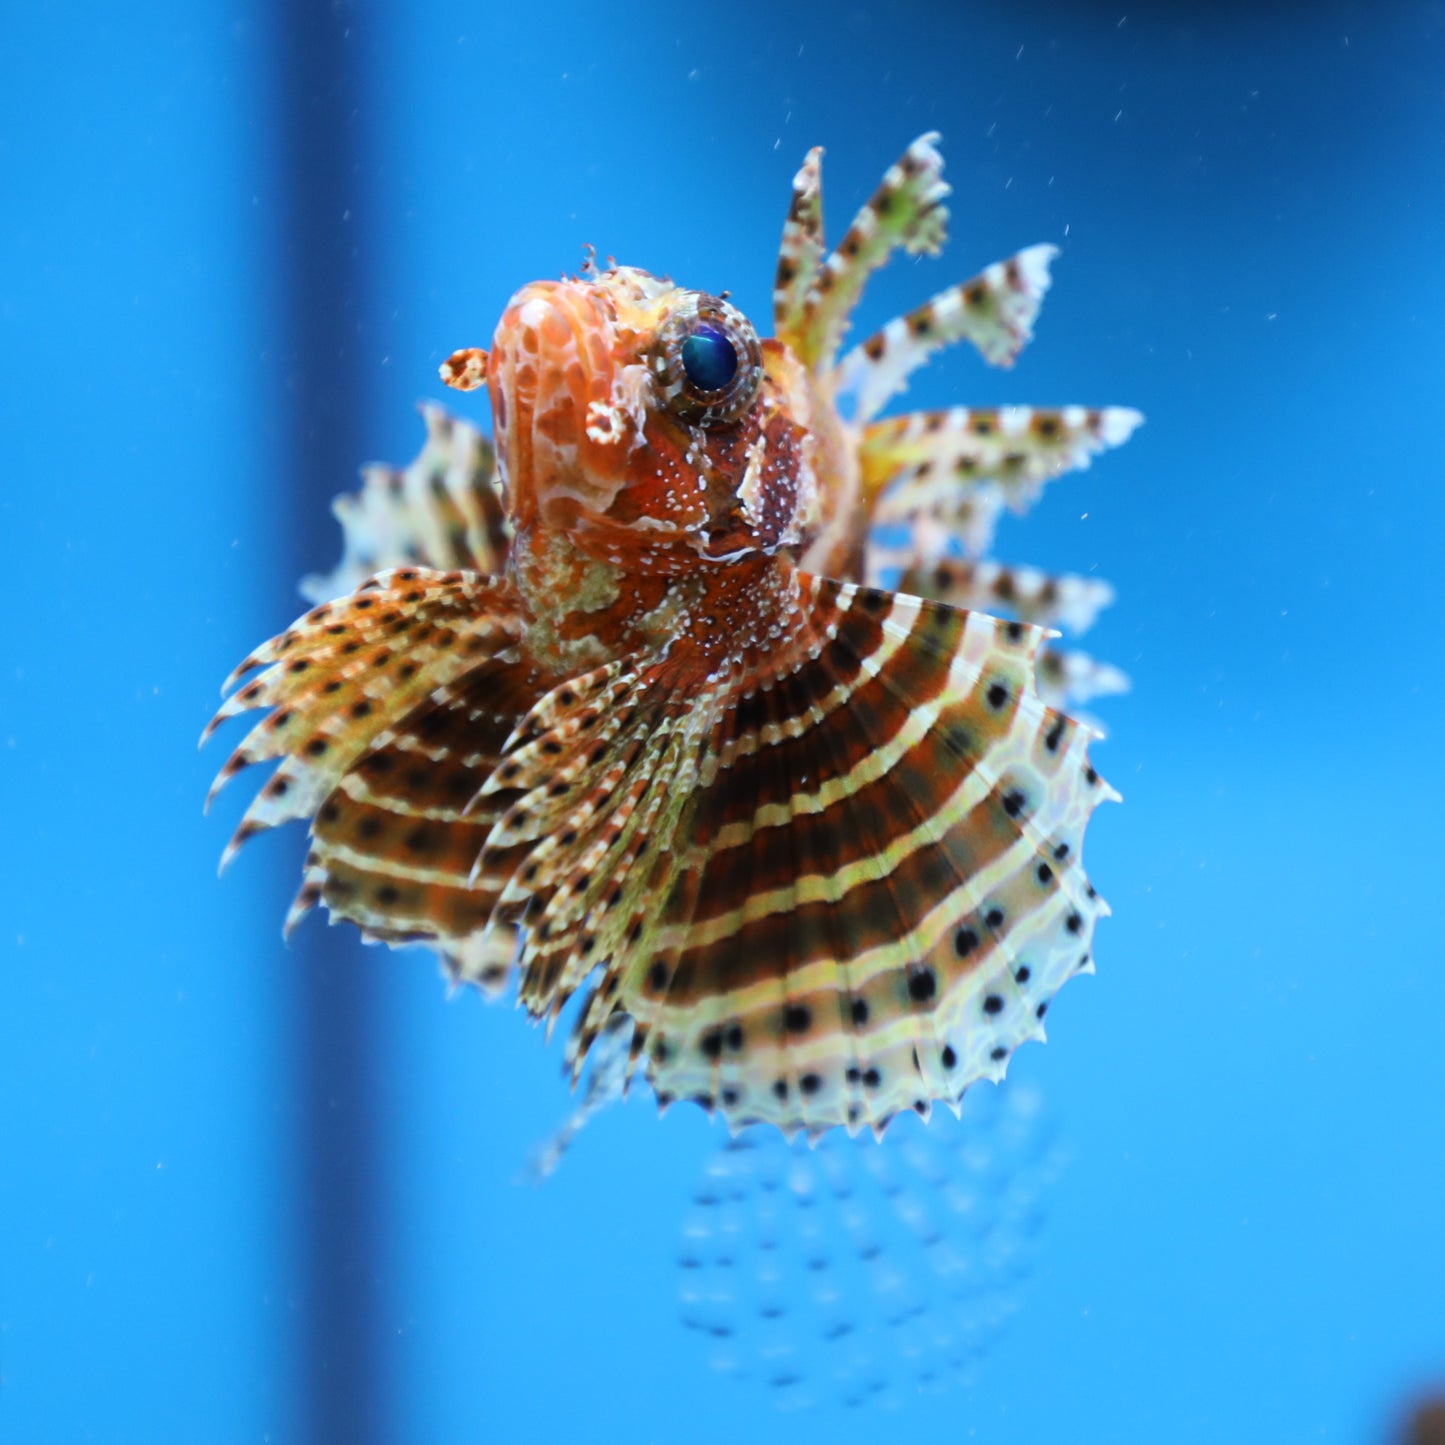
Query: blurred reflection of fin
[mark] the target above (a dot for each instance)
(861, 1273)
(604, 1083)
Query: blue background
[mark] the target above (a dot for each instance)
(250, 1193)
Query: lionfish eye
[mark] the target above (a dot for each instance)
(709, 358)
(708, 365)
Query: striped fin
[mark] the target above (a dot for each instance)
(995, 310)
(880, 888)
(444, 510)
(1068, 601)
(801, 251)
(389, 708)
(395, 846)
(906, 210)
(597, 774)
(1019, 448)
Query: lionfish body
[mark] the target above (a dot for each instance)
(635, 716)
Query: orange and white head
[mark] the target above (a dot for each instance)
(646, 424)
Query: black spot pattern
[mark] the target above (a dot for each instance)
(797, 1018)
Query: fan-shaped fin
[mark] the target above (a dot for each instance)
(390, 708)
(995, 310)
(906, 210)
(866, 876)
(443, 510)
(939, 900)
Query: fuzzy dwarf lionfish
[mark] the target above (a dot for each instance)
(630, 715)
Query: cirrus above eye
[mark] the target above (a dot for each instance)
(709, 358)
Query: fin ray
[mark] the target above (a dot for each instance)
(905, 211)
(995, 310)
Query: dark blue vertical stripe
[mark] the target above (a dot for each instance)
(319, 91)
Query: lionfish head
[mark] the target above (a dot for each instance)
(646, 423)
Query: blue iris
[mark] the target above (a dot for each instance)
(709, 358)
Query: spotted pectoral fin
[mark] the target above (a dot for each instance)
(387, 710)
(876, 886)
(994, 310)
(444, 510)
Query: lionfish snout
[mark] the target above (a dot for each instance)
(549, 370)
(619, 401)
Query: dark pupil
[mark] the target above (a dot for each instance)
(709, 358)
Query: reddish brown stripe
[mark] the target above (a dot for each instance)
(411, 781)
(386, 836)
(864, 918)
(912, 790)
(791, 696)
(407, 778)
(404, 907)
(872, 716)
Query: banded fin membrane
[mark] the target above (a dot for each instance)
(860, 1274)
(386, 711)
(881, 889)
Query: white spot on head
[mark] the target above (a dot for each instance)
(534, 313)
(605, 423)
